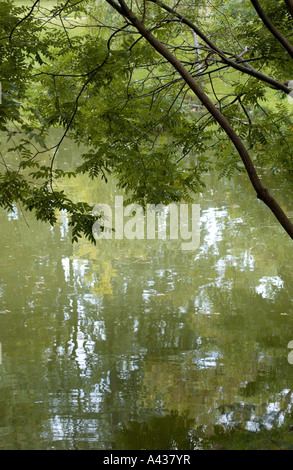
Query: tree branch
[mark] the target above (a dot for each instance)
(23, 19)
(261, 191)
(244, 67)
(272, 28)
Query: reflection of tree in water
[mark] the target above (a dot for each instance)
(140, 344)
(168, 338)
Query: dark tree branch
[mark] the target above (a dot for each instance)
(272, 28)
(23, 19)
(242, 67)
(262, 193)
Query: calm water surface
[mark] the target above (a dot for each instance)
(138, 344)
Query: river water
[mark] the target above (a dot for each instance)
(138, 344)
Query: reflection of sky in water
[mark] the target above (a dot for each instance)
(272, 414)
(213, 221)
(66, 267)
(14, 214)
(269, 286)
(244, 260)
(210, 361)
(63, 225)
(81, 352)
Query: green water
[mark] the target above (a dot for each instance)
(137, 344)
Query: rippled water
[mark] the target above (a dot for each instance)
(137, 344)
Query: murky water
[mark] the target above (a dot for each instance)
(136, 344)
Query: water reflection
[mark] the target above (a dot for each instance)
(138, 344)
(269, 286)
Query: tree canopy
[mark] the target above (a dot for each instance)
(159, 94)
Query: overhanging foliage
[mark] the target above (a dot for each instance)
(160, 95)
